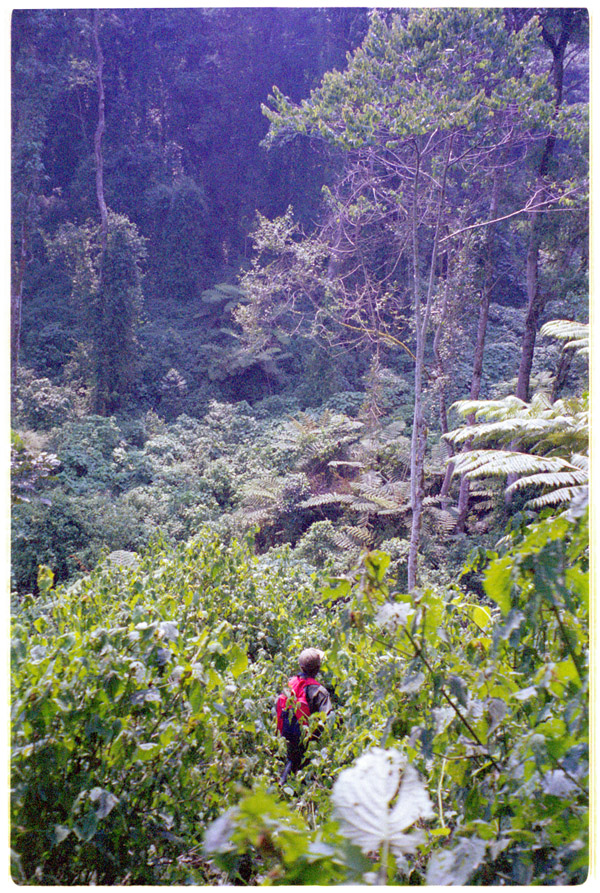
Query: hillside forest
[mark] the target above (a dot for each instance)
(299, 357)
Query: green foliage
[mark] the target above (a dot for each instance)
(138, 694)
(487, 699)
(545, 445)
(106, 287)
(142, 712)
(39, 404)
(383, 92)
(117, 309)
(576, 335)
(28, 469)
(118, 481)
(177, 218)
(149, 639)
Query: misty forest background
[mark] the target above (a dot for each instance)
(299, 333)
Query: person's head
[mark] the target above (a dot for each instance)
(310, 661)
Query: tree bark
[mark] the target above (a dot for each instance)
(484, 311)
(535, 299)
(535, 305)
(16, 295)
(101, 395)
(419, 432)
(99, 134)
(564, 364)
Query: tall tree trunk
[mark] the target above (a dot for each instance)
(535, 299)
(422, 317)
(484, 311)
(441, 366)
(564, 364)
(535, 305)
(101, 393)
(99, 134)
(16, 294)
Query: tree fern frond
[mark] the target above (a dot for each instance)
(556, 497)
(254, 516)
(491, 409)
(400, 490)
(396, 512)
(576, 335)
(497, 463)
(375, 496)
(352, 539)
(256, 491)
(443, 520)
(378, 498)
(583, 350)
(565, 329)
(361, 534)
(363, 505)
(580, 461)
(507, 430)
(326, 499)
(572, 478)
(342, 541)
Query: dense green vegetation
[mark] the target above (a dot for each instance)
(299, 357)
(143, 708)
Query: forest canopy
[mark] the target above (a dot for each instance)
(299, 356)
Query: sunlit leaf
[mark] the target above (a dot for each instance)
(104, 800)
(378, 798)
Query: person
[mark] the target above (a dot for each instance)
(310, 696)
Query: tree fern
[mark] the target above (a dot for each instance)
(325, 440)
(576, 335)
(547, 441)
(272, 497)
(321, 499)
(496, 463)
(560, 496)
(541, 424)
(438, 519)
(353, 538)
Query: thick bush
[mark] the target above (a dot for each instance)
(142, 714)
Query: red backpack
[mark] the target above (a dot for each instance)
(293, 707)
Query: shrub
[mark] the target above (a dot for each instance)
(143, 712)
(40, 404)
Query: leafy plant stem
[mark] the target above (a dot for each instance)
(565, 639)
(449, 700)
(439, 794)
(382, 873)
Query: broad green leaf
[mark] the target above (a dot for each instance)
(497, 582)
(60, 833)
(566, 670)
(338, 588)
(196, 696)
(45, 579)
(481, 616)
(146, 752)
(239, 661)
(376, 564)
(86, 829)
